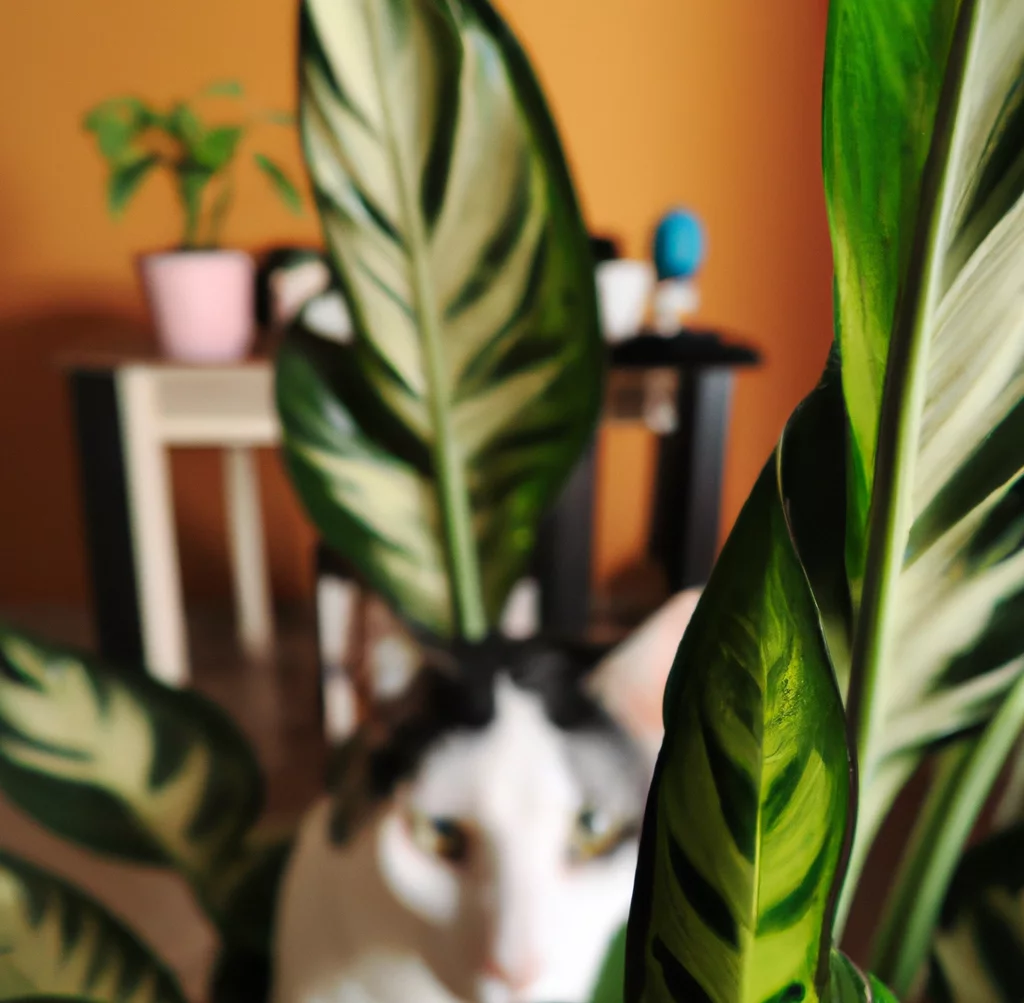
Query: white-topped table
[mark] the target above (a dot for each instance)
(129, 412)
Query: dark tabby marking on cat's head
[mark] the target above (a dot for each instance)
(454, 691)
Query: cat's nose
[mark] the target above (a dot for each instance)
(517, 975)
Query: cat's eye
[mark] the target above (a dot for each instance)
(595, 834)
(440, 837)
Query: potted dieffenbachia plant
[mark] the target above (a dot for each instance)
(201, 294)
(873, 585)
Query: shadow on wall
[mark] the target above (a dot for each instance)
(39, 504)
(40, 501)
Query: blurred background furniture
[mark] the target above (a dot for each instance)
(694, 373)
(128, 413)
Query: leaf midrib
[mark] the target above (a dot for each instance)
(469, 614)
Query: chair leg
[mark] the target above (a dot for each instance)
(564, 552)
(337, 605)
(253, 609)
(689, 489)
(153, 535)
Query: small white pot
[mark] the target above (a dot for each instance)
(202, 302)
(624, 291)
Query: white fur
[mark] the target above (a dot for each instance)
(380, 921)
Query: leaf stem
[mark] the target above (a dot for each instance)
(469, 614)
(190, 202)
(903, 398)
(958, 793)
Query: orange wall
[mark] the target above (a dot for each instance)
(714, 105)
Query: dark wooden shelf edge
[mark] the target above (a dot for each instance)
(689, 348)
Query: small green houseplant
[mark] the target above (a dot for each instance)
(863, 619)
(201, 295)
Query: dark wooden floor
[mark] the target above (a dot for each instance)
(275, 702)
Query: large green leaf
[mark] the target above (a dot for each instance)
(122, 765)
(884, 69)
(937, 643)
(428, 451)
(747, 817)
(56, 942)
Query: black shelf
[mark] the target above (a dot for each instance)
(687, 349)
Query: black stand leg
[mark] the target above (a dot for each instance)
(689, 481)
(564, 553)
(107, 519)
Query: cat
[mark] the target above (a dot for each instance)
(481, 840)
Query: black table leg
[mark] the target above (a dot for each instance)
(109, 547)
(564, 552)
(689, 479)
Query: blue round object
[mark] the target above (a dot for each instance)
(678, 245)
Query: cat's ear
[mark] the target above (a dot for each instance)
(629, 682)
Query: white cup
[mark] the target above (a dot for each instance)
(623, 291)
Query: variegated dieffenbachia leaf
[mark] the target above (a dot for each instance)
(118, 763)
(748, 813)
(885, 65)
(56, 942)
(427, 451)
(937, 641)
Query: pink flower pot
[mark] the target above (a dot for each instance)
(202, 303)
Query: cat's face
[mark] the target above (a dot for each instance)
(497, 800)
(515, 842)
